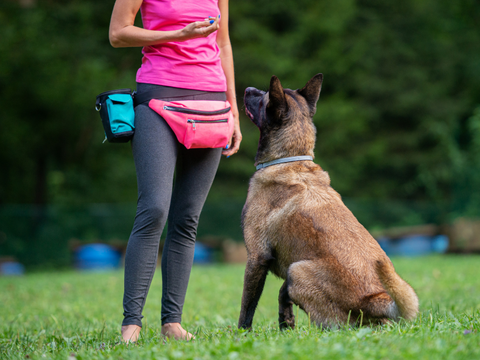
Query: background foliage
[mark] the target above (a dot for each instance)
(398, 119)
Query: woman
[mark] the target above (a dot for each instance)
(187, 55)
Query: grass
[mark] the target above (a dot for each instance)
(73, 315)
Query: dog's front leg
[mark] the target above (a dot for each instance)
(255, 274)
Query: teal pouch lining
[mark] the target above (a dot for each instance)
(121, 113)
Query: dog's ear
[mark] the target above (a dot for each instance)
(277, 104)
(311, 92)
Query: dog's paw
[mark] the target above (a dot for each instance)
(287, 323)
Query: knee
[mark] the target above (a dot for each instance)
(185, 226)
(154, 215)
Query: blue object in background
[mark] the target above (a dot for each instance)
(440, 244)
(97, 257)
(414, 245)
(11, 268)
(385, 244)
(202, 255)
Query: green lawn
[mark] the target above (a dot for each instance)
(71, 315)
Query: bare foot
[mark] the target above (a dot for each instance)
(130, 333)
(176, 331)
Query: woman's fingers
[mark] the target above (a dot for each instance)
(211, 26)
(233, 148)
(229, 145)
(200, 28)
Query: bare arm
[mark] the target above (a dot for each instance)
(226, 56)
(123, 32)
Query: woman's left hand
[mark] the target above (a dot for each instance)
(236, 139)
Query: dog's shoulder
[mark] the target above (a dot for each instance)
(276, 185)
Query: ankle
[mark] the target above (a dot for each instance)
(171, 328)
(171, 325)
(130, 333)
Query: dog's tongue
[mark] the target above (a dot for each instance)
(249, 114)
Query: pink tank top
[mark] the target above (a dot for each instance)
(191, 64)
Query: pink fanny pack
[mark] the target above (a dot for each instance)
(197, 123)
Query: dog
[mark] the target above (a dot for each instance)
(296, 226)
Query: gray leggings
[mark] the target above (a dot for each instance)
(161, 196)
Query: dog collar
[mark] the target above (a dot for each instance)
(284, 160)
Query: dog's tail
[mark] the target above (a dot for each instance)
(398, 289)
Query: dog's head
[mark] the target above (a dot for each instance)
(284, 118)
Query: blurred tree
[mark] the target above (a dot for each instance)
(55, 59)
(466, 197)
(396, 118)
(401, 80)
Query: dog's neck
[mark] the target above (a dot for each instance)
(285, 143)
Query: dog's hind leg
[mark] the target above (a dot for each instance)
(286, 319)
(255, 274)
(319, 287)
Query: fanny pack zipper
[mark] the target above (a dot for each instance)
(196, 112)
(191, 121)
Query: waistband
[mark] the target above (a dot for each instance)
(146, 92)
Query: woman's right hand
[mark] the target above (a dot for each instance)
(199, 29)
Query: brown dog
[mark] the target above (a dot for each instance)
(296, 226)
